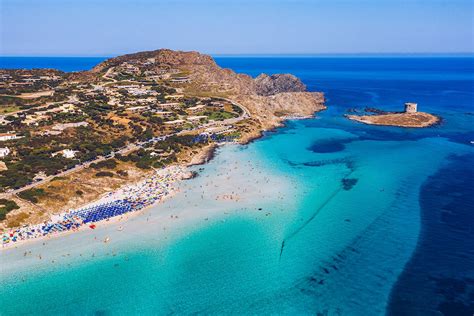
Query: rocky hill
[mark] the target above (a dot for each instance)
(268, 98)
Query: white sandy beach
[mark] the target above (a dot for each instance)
(148, 192)
(196, 202)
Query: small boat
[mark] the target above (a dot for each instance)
(106, 240)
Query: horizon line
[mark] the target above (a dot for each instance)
(359, 54)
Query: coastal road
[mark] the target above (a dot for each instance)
(246, 113)
(125, 150)
(77, 168)
(107, 73)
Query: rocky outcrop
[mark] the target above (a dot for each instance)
(269, 85)
(271, 110)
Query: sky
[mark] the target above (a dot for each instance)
(114, 27)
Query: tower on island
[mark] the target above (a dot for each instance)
(410, 107)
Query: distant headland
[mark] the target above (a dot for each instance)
(409, 118)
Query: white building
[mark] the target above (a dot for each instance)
(66, 153)
(167, 106)
(62, 126)
(174, 96)
(196, 109)
(411, 107)
(4, 152)
(137, 108)
(196, 118)
(164, 114)
(218, 129)
(175, 122)
(8, 136)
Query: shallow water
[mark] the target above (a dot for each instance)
(324, 217)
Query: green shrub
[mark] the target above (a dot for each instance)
(31, 194)
(104, 174)
(6, 206)
(144, 164)
(107, 164)
(122, 158)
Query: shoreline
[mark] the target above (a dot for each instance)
(32, 233)
(204, 156)
(109, 221)
(255, 135)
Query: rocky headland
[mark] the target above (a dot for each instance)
(269, 99)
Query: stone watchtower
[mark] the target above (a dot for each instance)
(410, 107)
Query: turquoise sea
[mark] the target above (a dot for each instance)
(327, 216)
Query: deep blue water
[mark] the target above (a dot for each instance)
(439, 276)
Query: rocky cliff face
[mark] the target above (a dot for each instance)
(269, 85)
(270, 111)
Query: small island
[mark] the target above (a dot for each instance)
(409, 118)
